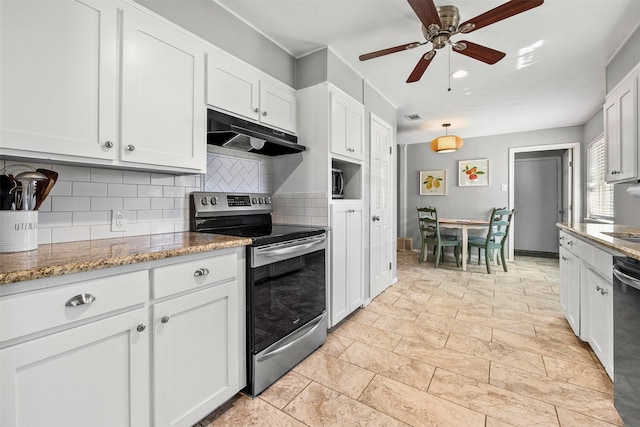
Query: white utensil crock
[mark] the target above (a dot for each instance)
(18, 231)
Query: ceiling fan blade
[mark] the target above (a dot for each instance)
(389, 50)
(426, 11)
(421, 66)
(501, 12)
(479, 52)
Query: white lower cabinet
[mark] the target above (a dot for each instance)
(599, 316)
(195, 354)
(570, 288)
(347, 260)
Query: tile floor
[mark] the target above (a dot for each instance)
(445, 348)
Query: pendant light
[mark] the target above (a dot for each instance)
(446, 143)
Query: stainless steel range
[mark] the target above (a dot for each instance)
(286, 281)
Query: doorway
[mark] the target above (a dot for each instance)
(570, 185)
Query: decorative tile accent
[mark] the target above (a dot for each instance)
(232, 174)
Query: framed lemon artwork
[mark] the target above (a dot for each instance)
(433, 183)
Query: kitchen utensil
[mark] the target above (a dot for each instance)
(45, 187)
(6, 198)
(28, 181)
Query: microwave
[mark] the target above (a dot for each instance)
(337, 184)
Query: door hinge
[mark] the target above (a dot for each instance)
(570, 164)
(389, 266)
(390, 150)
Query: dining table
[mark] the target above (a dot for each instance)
(464, 225)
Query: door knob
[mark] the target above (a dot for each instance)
(376, 218)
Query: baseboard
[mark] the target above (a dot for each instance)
(536, 254)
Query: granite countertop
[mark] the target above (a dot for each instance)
(598, 233)
(64, 258)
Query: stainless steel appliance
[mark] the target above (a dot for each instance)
(286, 281)
(626, 339)
(337, 183)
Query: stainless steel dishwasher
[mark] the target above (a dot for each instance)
(626, 339)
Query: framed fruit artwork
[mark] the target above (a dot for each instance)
(433, 183)
(473, 173)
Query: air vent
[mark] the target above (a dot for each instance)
(413, 117)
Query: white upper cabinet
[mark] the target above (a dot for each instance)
(347, 125)
(240, 89)
(58, 78)
(621, 131)
(163, 107)
(62, 96)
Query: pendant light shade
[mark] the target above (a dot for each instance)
(446, 143)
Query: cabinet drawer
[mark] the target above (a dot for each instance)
(30, 312)
(582, 249)
(603, 263)
(190, 275)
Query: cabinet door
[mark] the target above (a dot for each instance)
(339, 119)
(58, 78)
(599, 317)
(163, 109)
(95, 374)
(195, 354)
(232, 86)
(346, 293)
(278, 105)
(355, 140)
(570, 288)
(621, 117)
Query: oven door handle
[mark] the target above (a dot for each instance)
(279, 350)
(290, 249)
(626, 279)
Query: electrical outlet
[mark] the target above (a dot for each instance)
(118, 220)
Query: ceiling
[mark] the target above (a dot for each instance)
(552, 75)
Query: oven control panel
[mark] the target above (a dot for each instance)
(203, 202)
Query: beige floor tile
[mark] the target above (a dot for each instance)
(490, 400)
(575, 398)
(447, 292)
(456, 303)
(594, 378)
(369, 335)
(387, 298)
(412, 330)
(445, 324)
(392, 310)
(492, 422)
(366, 317)
(502, 300)
(391, 365)
(249, 412)
(335, 373)
(495, 352)
(415, 407)
(496, 322)
(546, 311)
(409, 302)
(452, 360)
(572, 419)
(285, 389)
(565, 349)
(527, 317)
(335, 344)
(321, 406)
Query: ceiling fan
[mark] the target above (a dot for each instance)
(439, 24)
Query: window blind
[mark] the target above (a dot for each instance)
(599, 193)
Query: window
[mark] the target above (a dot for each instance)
(599, 193)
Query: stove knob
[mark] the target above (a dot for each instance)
(268, 200)
(261, 200)
(203, 201)
(214, 200)
(254, 200)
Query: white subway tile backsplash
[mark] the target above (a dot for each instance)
(55, 219)
(106, 203)
(150, 216)
(160, 203)
(123, 190)
(135, 177)
(72, 173)
(181, 226)
(162, 227)
(136, 203)
(106, 175)
(185, 181)
(104, 232)
(70, 234)
(173, 191)
(44, 235)
(61, 188)
(90, 218)
(149, 191)
(138, 229)
(162, 179)
(173, 215)
(70, 204)
(88, 189)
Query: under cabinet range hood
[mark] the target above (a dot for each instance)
(232, 132)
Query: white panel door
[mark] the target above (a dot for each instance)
(163, 108)
(59, 78)
(380, 186)
(195, 354)
(96, 374)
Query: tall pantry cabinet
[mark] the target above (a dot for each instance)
(331, 125)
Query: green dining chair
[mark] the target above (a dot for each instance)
(497, 235)
(430, 232)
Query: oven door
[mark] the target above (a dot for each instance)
(286, 288)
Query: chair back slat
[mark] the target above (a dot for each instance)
(499, 225)
(428, 222)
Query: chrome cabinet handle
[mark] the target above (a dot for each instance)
(130, 148)
(570, 242)
(108, 144)
(264, 114)
(164, 319)
(351, 150)
(376, 218)
(201, 272)
(603, 291)
(598, 288)
(564, 258)
(81, 299)
(256, 110)
(141, 327)
(561, 237)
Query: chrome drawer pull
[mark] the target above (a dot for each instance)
(164, 319)
(201, 272)
(81, 299)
